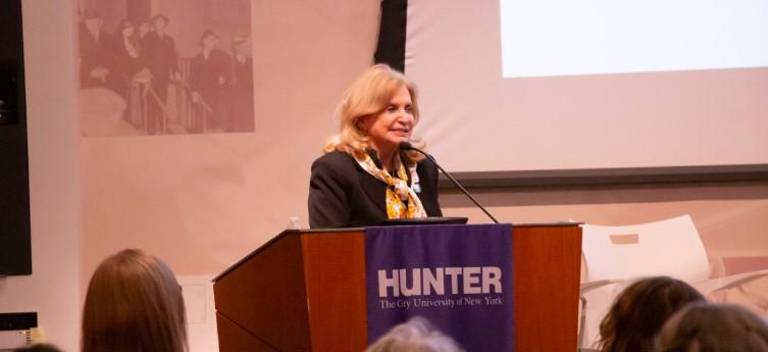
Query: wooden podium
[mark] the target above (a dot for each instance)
(305, 291)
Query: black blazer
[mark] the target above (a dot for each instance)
(342, 194)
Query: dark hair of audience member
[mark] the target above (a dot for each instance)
(134, 303)
(638, 313)
(39, 347)
(713, 327)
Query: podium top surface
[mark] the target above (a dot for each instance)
(294, 232)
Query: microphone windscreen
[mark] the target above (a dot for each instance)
(405, 145)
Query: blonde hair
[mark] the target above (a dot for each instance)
(370, 95)
(134, 303)
(415, 335)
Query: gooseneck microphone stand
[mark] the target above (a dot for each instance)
(408, 146)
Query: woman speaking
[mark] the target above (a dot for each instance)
(364, 178)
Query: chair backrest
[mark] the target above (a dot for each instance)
(668, 247)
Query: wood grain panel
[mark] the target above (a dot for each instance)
(335, 278)
(547, 261)
(234, 338)
(265, 295)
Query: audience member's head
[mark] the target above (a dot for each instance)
(39, 347)
(640, 310)
(134, 303)
(415, 335)
(713, 327)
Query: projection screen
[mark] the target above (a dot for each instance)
(560, 85)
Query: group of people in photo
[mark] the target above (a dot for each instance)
(139, 61)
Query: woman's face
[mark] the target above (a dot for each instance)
(393, 125)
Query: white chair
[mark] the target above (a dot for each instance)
(614, 256)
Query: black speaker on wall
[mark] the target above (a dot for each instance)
(15, 243)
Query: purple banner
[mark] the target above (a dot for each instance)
(459, 277)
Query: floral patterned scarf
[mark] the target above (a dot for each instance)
(402, 202)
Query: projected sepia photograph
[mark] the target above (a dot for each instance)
(165, 67)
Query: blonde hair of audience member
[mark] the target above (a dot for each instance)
(713, 327)
(639, 311)
(369, 95)
(134, 303)
(415, 335)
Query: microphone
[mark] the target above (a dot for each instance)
(405, 145)
(375, 157)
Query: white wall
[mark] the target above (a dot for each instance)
(53, 289)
